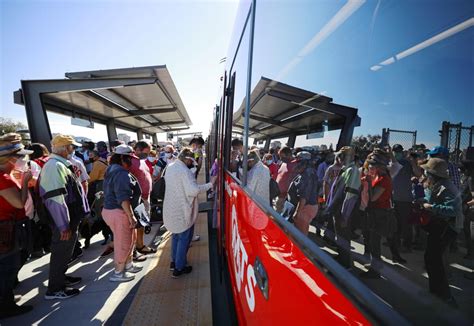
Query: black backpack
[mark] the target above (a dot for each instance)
(159, 188)
(274, 189)
(73, 192)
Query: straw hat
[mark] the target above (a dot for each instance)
(437, 167)
(378, 157)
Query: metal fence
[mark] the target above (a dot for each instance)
(405, 138)
(457, 138)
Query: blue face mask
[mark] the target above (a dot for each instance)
(269, 162)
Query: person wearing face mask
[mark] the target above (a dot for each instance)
(12, 213)
(180, 208)
(402, 197)
(258, 177)
(163, 161)
(62, 195)
(272, 166)
(286, 174)
(196, 145)
(141, 171)
(342, 200)
(444, 203)
(122, 194)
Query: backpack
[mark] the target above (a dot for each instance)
(159, 188)
(274, 189)
(73, 192)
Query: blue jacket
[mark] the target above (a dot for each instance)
(119, 185)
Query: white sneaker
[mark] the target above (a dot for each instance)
(121, 277)
(134, 269)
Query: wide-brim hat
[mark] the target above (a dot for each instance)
(378, 157)
(10, 144)
(437, 167)
(346, 150)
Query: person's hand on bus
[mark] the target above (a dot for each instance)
(214, 179)
(65, 235)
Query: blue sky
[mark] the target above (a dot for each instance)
(45, 39)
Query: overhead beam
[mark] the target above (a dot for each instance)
(35, 112)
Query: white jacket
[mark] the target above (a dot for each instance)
(258, 180)
(180, 206)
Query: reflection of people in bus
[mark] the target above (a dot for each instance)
(272, 166)
(235, 163)
(286, 173)
(342, 201)
(303, 192)
(445, 205)
(258, 178)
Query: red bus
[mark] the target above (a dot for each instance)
(321, 72)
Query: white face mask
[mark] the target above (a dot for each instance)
(168, 155)
(151, 159)
(21, 164)
(193, 170)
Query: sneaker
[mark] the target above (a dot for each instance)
(61, 295)
(121, 277)
(178, 273)
(172, 265)
(14, 310)
(399, 260)
(71, 280)
(107, 252)
(370, 274)
(134, 269)
(197, 237)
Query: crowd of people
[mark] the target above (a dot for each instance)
(48, 200)
(415, 199)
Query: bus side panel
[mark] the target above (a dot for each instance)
(298, 292)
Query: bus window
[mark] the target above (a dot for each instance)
(404, 66)
(236, 101)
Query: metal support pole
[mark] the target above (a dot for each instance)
(140, 134)
(414, 138)
(291, 141)
(154, 138)
(248, 91)
(111, 130)
(444, 134)
(267, 144)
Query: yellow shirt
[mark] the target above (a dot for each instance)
(98, 170)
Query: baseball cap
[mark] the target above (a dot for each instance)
(125, 150)
(63, 140)
(303, 156)
(397, 148)
(439, 150)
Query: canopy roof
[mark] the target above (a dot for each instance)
(143, 98)
(279, 110)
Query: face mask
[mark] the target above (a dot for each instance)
(151, 159)
(193, 170)
(269, 162)
(142, 156)
(20, 164)
(398, 156)
(168, 155)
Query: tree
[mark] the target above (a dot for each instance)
(8, 125)
(366, 142)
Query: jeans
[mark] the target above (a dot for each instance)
(440, 236)
(9, 267)
(61, 253)
(179, 247)
(405, 230)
